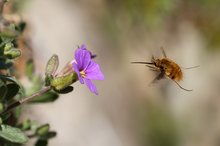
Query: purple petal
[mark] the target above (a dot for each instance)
(83, 58)
(91, 86)
(83, 46)
(93, 71)
(76, 69)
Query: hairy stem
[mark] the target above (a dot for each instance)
(26, 99)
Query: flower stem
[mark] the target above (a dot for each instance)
(26, 99)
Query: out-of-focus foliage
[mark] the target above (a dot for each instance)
(161, 128)
(12, 132)
(157, 15)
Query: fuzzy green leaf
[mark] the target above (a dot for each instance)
(43, 130)
(52, 65)
(13, 134)
(12, 89)
(26, 125)
(9, 78)
(48, 135)
(45, 98)
(41, 142)
(65, 90)
(3, 90)
(5, 63)
(12, 53)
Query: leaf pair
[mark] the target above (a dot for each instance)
(60, 84)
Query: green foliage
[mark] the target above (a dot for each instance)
(47, 97)
(52, 66)
(60, 83)
(161, 128)
(12, 92)
(42, 130)
(12, 134)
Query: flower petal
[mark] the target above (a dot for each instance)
(91, 86)
(76, 69)
(83, 46)
(83, 58)
(93, 71)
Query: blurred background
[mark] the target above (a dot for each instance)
(130, 111)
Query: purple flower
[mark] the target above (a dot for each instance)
(86, 69)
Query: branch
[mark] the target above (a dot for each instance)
(26, 99)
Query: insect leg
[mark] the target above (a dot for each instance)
(163, 52)
(182, 87)
(153, 59)
(190, 67)
(153, 68)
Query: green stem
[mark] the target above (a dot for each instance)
(26, 99)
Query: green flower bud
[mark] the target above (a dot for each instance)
(13, 53)
(8, 46)
(43, 130)
(60, 83)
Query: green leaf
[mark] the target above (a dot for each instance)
(1, 120)
(3, 90)
(26, 125)
(9, 78)
(21, 26)
(49, 135)
(12, 53)
(5, 63)
(13, 89)
(6, 116)
(1, 108)
(45, 98)
(41, 142)
(65, 90)
(29, 70)
(43, 130)
(8, 46)
(13, 134)
(48, 79)
(9, 32)
(52, 65)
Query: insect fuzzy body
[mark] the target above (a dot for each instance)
(166, 68)
(169, 68)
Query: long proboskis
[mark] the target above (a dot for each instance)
(143, 63)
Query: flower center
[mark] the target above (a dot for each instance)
(83, 74)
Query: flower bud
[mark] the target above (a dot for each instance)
(43, 130)
(8, 46)
(13, 53)
(60, 83)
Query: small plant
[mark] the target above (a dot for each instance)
(13, 94)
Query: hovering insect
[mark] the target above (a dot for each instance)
(166, 67)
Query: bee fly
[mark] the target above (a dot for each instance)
(166, 67)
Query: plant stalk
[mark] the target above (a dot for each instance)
(26, 99)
